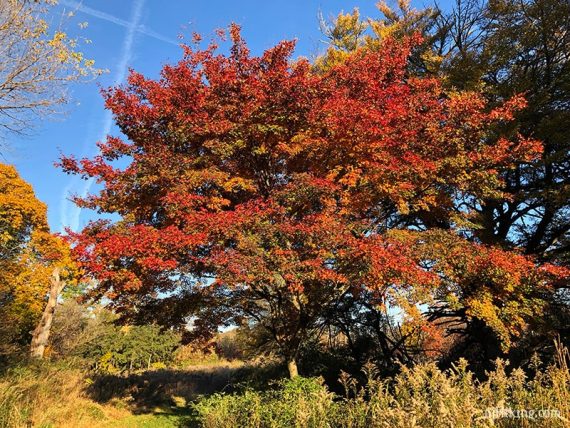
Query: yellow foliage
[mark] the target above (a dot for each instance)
(28, 253)
(349, 33)
(37, 64)
(345, 34)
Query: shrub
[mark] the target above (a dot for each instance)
(194, 355)
(229, 345)
(301, 402)
(117, 349)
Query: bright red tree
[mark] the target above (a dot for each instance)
(260, 190)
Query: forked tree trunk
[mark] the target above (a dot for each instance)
(41, 333)
(292, 366)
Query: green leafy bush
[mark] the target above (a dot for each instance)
(117, 349)
(301, 402)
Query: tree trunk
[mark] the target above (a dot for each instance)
(292, 366)
(41, 333)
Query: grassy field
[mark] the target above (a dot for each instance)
(226, 395)
(62, 395)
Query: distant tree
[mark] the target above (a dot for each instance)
(36, 64)
(115, 349)
(501, 49)
(349, 32)
(258, 191)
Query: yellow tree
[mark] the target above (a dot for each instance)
(349, 32)
(36, 64)
(33, 264)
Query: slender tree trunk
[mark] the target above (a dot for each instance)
(292, 366)
(41, 333)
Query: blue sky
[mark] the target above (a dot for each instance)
(143, 34)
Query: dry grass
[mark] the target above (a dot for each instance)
(423, 396)
(62, 395)
(45, 397)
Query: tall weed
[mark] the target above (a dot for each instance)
(422, 396)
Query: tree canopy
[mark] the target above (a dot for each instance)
(498, 49)
(261, 190)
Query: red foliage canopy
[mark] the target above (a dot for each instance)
(289, 189)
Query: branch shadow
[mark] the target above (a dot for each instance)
(171, 391)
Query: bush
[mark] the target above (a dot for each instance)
(192, 355)
(228, 345)
(74, 325)
(302, 402)
(118, 349)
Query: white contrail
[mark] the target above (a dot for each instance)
(72, 221)
(118, 21)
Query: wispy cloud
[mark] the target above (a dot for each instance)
(70, 214)
(77, 6)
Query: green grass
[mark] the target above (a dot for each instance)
(154, 421)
